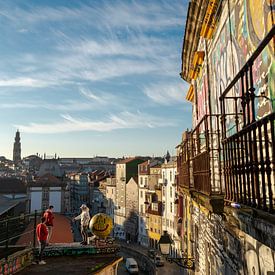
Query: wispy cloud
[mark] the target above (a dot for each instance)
(123, 48)
(139, 46)
(24, 82)
(89, 100)
(166, 94)
(100, 98)
(124, 120)
(133, 14)
(69, 105)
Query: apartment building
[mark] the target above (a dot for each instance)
(226, 162)
(125, 170)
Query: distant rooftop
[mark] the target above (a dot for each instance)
(6, 204)
(12, 186)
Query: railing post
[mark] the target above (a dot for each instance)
(34, 228)
(7, 236)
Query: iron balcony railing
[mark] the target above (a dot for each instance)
(205, 156)
(248, 142)
(199, 166)
(183, 164)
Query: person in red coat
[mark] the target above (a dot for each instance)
(42, 234)
(49, 222)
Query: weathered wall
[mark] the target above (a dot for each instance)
(236, 242)
(220, 247)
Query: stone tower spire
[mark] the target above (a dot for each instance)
(17, 148)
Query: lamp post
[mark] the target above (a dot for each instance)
(165, 243)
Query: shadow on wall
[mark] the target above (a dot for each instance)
(131, 227)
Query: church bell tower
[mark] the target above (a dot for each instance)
(17, 148)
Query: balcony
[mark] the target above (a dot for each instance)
(155, 208)
(248, 136)
(183, 162)
(205, 156)
(163, 182)
(199, 166)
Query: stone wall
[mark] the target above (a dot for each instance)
(221, 246)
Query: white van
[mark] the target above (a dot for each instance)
(131, 266)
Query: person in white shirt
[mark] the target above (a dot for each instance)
(84, 218)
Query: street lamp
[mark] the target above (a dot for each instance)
(165, 243)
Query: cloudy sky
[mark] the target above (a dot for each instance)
(85, 78)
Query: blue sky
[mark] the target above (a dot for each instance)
(84, 78)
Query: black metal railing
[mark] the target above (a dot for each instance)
(205, 155)
(183, 164)
(248, 142)
(12, 228)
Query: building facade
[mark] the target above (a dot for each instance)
(131, 222)
(48, 190)
(170, 212)
(79, 190)
(111, 196)
(225, 163)
(149, 173)
(125, 170)
(155, 214)
(49, 187)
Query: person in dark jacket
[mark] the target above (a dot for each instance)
(49, 222)
(42, 234)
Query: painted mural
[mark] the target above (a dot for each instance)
(245, 24)
(202, 90)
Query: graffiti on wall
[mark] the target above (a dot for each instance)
(246, 24)
(16, 262)
(77, 251)
(221, 249)
(259, 258)
(202, 90)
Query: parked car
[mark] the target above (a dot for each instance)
(152, 253)
(159, 261)
(131, 266)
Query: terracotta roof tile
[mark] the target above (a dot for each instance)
(61, 231)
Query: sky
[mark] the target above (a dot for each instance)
(82, 78)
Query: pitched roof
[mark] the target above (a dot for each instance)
(6, 204)
(12, 185)
(47, 180)
(127, 160)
